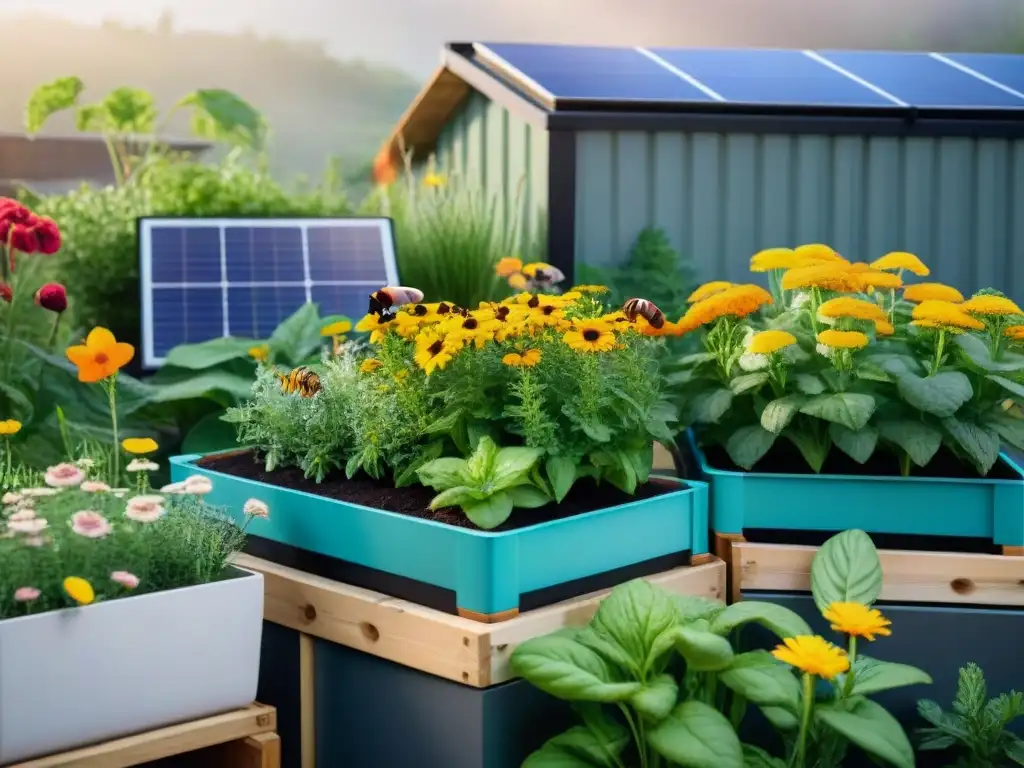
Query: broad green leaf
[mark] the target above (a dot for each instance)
(1015, 389)
(755, 757)
(696, 358)
(21, 407)
(975, 350)
(782, 719)
(564, 668)
(920, 441)
(298, 336)
(207, 354)
(809, 384)
(695, 735)
(596, 431)
(480, 464)
(656, 699)
(204, 385)
(858, 444)
(511, 465)
(50, 98)
(777, 618)
(762, 680)
(444, 473)
(869, 726)
(528, 497)
(708, 407)
(127, 111)
(1010, 429)
(453, 497)
(634, 615)
(895, 364)
(1015, 751)
(778, 413)
(561, 472)
(940, 395)
(980, 444)
(850, 409)
(813, 449)
(846, 570)
(703, 651)
(220, 115)
(582, 747)
(871, 372)
(490, 512)
(693, 607)
(747, 382)
(748, 445)
(873, 676)
(444, 424)
(608, 649)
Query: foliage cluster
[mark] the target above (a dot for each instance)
(657, 678)
(502, 406)
(844, 356)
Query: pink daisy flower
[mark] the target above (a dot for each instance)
(64, 476)
(90, 524)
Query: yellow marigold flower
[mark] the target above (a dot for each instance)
(767, 342)
(818, 252)
(857, 620)
(901, 260)
(814, 655)
(867, 279)
(991, 305)
(526, 359)
(259, 353)
(433, 351)
(336, 329)
(590, 336)
(737, 301)
(401, 375)
(774, 258)
(9, 427)
(944, 314)
(508, 266)
(843, 339)
(369, 365)
(434, 180)
(139, 446)
(826, 275)
(79, 590)
(847, 306)
(932, 292)
(884, 328)
(593, 289)
(1015, 332)
(708, 289)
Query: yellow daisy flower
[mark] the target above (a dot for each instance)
(79, 590)
(10, 427)
(897, 260)
(526, 359)
(814, 655)
(259, 353)
(828, 276)
(847, 306)
(857, 620)
(590, 336)
(369, 365)
(818, 252)
(932, 292)
(139, 446)
(991, 305)
(774, 258)
(336, 329)
(768, 342)
(433, 351)
(843, 339)
(435, 180)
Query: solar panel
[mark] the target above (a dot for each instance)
(209, 278)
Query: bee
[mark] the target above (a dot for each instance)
(301, 380)
(635, 308)
(391, 297)
(541, 275)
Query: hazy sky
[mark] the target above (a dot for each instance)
(409, 33)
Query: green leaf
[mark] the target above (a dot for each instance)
(695, 735)
(870, 727)
(220, 115)
(528, 497)
(1015, 751)
(490, 512)
(981, 445)
(782, 719)
(1010, 429)
(693, 607)
(582, 747)
(444, 473)
(873, 676)
(846, 570)
(920, 441)
(1015, 389)
(850, 409)
(809, 384)
(709, 407)
(778, 413)
(634, 615)
(762, 680)
(480, 464)
(49, 99)
(204, 385)
(812, 448)
(777, 618)
(703, 651)
(444, 424)
(298, 336)
(596, 431)
(940, 395)
(656, 699)
(561, 474)
(207, 354)
(211, 433)
(512, 465)
(859, 444)
(453, 497)
(748, 445)
(895, 364)
(975, 350)
(564, 668)
(870, 372)
(755, 757)
(747, 382)
(352, 466)
(696, 358)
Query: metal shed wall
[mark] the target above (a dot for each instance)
(500, 153)
(956, 202)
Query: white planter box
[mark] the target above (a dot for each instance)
(86, 675)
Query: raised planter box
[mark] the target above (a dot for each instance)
(481, 575)
(84, 675)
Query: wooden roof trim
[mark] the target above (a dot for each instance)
(418, 129)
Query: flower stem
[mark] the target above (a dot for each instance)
(8, 472)
(115, 458)
(904, 464)
(641, 748)
(939, 348)
(851, 653)
(805, 720)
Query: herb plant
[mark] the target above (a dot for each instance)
(977, 728)
(656, 679)
(841, 356)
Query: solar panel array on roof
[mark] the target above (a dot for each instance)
(862, 79)
(210, 278)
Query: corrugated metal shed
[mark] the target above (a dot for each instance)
(734, 151)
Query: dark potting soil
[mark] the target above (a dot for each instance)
(784, 458)
(585, 496)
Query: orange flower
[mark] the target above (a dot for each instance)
(101, 356)
(384, 170)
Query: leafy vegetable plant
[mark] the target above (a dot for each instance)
(977, 728)
(843, 356)
(656, 678)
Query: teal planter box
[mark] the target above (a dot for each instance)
(989, 508)
(487, 576)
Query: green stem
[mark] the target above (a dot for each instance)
(9, 330)
(8, 472)
(939, 348)
(49, 347)
(116, 453)
(851, 653)
(641, 748)
(904, 464)
(805, 720)
(115, 161)
(737, 709)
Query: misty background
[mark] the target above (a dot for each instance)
(332, 76)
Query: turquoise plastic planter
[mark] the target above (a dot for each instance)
(979, 508)
(487, 571)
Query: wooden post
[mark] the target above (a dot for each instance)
(307, 699)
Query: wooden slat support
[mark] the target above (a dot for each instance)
(909, 576)
(419, 127)
(432, 641)
(252, 731)
(307, 699)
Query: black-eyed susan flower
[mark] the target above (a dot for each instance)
(708, 289)
(843, 339)
(769, 342)
(590, 336)
(525, 359)
(79, 590)
(932, 292)
(987, 304)
(857, 620)
(901, 260)
(369, 365)
(433, 351)
(774, 258)
(944, 315)
(813, 655)
(375, 325)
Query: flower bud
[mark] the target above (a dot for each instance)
(53, 297)
(6, 294)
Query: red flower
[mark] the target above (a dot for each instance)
(6, 294)
(38, 235)
(53, 297)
